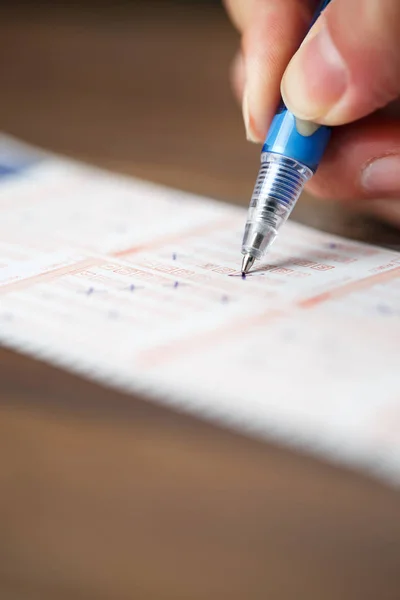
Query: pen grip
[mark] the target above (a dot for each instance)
(288, 136)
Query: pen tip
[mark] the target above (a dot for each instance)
(247, 263)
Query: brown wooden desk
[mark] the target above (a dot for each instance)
(109, 497)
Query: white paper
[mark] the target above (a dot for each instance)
(137, 286)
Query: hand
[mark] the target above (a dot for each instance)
(346, 74)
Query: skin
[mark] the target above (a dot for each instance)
(345, 74)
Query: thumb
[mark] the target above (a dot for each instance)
(349, 64)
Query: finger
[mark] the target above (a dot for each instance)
(349, 64)
(238, 78)
(362, 161)
(240, 12)
(384, 210)
(272, 34)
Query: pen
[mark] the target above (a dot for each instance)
(289, 158)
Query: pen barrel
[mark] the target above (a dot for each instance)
(301, 140)
(290, 156)
(320, 7)
(279, 184)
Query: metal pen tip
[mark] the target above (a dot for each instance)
(248, 262)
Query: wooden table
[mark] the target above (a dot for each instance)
(110, 497)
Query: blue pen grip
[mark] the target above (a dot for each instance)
(284, 137)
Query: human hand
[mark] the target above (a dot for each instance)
(346, 74)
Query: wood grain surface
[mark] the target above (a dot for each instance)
(106, 496)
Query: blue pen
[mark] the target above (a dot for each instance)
(290, 156)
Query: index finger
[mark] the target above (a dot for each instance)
(272, 30)
(239, 12)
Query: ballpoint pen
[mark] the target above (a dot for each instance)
(289, 157)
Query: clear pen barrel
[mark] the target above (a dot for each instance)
(279, 184)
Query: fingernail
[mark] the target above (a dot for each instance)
(382, 176)
(248, 122)
(316, 77)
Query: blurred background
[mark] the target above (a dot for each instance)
(137, 86)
